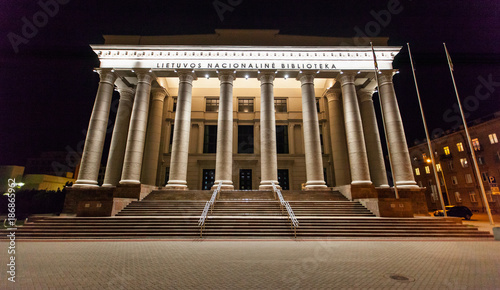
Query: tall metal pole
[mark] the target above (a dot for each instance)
(396, 193)
(429, 145)
(466, 129)
(445, 186)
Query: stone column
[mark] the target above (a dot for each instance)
(224, 153)
(96, 133)
(401, 164)
(360, 171)
(182, 127)
(338, 138)
(119, 138)
(268, 154)
(372, 139)
(312, 143)
(153, 138)
(132, 163)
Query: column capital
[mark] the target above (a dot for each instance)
(186, 75)
(267, 76)
(144, 76)
(107, 75)
(365, 95)
(126, 93)
(347, 77)
(158, 94)
(385, 76)
(306, 77)
(226, 76)
(333, 95)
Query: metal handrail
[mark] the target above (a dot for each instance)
(291, 216)
(209, 205)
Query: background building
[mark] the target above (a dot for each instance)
(455, 168)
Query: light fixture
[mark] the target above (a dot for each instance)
(112, 70)
(150, 70)
(207, 76)
(246, 77)
(359, 72)
(133, 70)
(286, 76)
(341, 72)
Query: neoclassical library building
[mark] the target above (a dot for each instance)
(246, 108)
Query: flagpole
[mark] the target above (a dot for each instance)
(476, 167)
(396, 193)
(429, 144)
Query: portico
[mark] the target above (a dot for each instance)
(194, 115)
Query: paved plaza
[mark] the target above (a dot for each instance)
(254, 264)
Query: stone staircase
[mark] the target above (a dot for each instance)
(240, 214)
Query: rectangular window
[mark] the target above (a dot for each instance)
(245, 139)
(480, 160)
(450, 165)
(424, 157)
(493, 138)
(485, 177)
(438, 167)
(476, 145)
(420, 184)
(283, 179)
(282, 139)
(174, 105)
(454, 180)
(460, 147)
(468, 178)
(417, 171)
(245, 105)
(458, 198)
(171, 138)
(427, 170)
(321, 139)
(280, 105)
(489, 196)
(472, 195)
(464, 163)
(208, 179)
(317, 105)
(210, 139)
(212, 104)
(446, 150)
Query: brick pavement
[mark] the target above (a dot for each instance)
(251, 264)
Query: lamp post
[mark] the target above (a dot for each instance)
(439, 168)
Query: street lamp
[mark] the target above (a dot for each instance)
(439, 168)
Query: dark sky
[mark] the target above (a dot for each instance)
(47, 88)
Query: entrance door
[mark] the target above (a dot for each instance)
(208, 179)
(245, 179)
(283, 179)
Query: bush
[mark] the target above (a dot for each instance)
(30, 202)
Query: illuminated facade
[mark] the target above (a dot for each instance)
(456, 170)
(245, 108)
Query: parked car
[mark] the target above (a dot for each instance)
(456, 211)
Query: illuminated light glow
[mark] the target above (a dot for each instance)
(341, 72)
(286, 77)
(112, 70)
(359, 72)
(246, 77)
(207, 76)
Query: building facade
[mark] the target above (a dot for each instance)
(245, 108)
(456, 169)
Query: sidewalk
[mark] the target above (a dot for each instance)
(289, 264)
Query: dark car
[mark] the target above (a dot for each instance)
(456, 211)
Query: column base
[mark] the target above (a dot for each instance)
(108, 185)
(383, 186)
(316, 185)
(226, 185)
(409, 184)
(268, 185)
(176, 185)
(129, 182)
(85, 183)
(361, 182)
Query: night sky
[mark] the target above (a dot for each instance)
(47, 87)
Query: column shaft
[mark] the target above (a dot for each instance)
(338, 139)
(96, 133)
(182, 127)
(119, 138)
(224, 155)
(132, 164)
(372, 140)
(360, 171)
(312, 143)
(153, 138)
(401, 164)
(268, 155)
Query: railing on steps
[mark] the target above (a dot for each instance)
(209, 205)
(294, 223)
